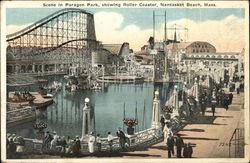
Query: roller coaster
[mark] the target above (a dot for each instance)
(61, 37)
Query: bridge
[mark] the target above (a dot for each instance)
(52, 44)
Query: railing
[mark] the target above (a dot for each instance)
(18, 114)
(238, 139)
(140, 139)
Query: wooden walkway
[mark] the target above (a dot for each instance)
(209, 136)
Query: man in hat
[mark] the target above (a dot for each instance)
(91, 143)
(46, 142)
(179, 144)
(162, 121)
(76, 146)
(189, 150)
(122, 137)
(170, 145)
(185, 151)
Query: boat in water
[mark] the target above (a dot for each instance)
(42, 80)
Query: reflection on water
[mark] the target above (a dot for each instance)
(65, 115)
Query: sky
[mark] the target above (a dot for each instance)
(222, 27)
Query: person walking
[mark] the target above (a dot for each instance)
(179, 144)
(122, 137)
(213, 108)
(225, 101)
(230, 98)
(237, 85)
(170, 145)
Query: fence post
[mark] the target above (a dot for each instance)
(238, 142)
(235, 145)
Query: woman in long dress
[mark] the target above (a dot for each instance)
(167, 131)
(91, 143)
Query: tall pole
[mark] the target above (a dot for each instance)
(165, 29)
(136, 117)
(154, 26)
(143, 121)
(123, 114)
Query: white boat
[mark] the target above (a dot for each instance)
(48, 96)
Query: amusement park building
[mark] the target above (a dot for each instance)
(198, 56)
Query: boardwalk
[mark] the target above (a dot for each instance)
(209, 136)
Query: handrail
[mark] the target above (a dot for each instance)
(232, 135)
(237, 132)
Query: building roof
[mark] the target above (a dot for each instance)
(116, 49)
(184, 45)
(224, 53)
(113, 48)
(181, 45)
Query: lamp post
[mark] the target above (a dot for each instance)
(86, 126)
(156, 111)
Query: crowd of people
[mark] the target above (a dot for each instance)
(182, 149)
(22, 96)
(54, 144)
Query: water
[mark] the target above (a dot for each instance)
(65, 115)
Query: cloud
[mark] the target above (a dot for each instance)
(108, 30)
(15, 28)
(226, 34)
